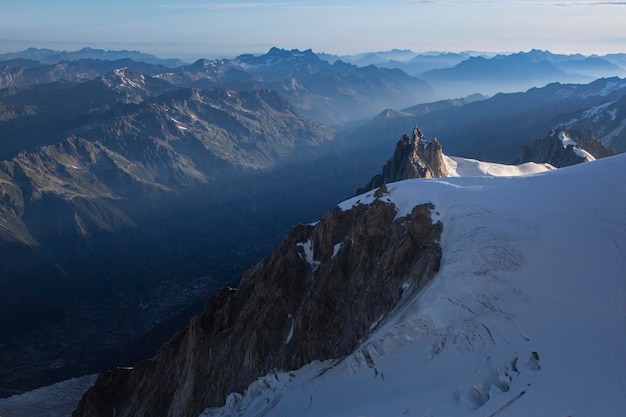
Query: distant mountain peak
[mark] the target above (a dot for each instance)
(277, 56)
(297, 52)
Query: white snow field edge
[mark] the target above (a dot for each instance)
(526, 316)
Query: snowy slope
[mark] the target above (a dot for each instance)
(464, 167)
(526, 317)
(57, 400)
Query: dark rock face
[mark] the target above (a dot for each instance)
(552, 150)
(416, 157)
(589, 142)
(315, 298)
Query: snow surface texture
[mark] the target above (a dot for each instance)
(58, 400)
(525, 318)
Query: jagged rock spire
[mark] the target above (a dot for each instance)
(414, 157)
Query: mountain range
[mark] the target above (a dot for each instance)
(456, 75)
(334, 90)
(496, 129)
(130, 188)
(518, 72)
(333, 94)
(51, 56)
(415, 63)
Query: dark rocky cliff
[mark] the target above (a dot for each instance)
(316, 297)
(414, 157)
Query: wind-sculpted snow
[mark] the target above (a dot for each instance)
(525, 317)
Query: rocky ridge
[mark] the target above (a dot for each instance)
(316, 297)
(164, 146)
(414, 157)
(332, 94)
(515, 120)
(562, 148)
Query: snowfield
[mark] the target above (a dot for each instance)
(527, 315)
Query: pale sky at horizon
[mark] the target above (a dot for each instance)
(194, 29)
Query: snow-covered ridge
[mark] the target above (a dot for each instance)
(594, 113)
(459, 167)
(464, 167)
(525, 317)
(608, 138)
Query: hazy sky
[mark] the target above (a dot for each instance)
(203, 28)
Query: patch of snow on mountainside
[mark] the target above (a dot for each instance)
(567, 141)
(464, 167)
(584, 154)
(127, 82)
(594, 113)
(179, 125)
(612, 86)
(58, 400)
(608, 138)
(308, 253)
(525, 317)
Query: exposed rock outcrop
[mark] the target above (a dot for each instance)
(316, 297)
(589, 142)
(414, 157)
(562, 148)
